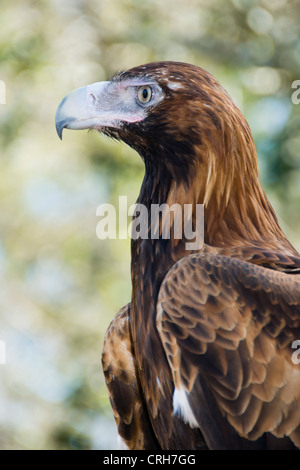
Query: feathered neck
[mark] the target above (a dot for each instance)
(222, 175)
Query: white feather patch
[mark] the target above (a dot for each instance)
(182, 407)
(174, 85)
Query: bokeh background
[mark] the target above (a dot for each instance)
(60, 285)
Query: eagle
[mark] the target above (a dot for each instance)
(202, 356)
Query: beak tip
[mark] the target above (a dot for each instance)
(59, 131)
(60, 121)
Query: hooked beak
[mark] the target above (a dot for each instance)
(98, 106)
(80, 109)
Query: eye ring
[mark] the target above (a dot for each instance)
(144, 94)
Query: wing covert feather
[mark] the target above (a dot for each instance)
(230, 324)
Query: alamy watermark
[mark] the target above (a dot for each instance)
(296, 94)
(296, 354)
(159, 221)
(2, 352)
(2, 92)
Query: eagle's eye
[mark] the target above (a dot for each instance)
(144, 94)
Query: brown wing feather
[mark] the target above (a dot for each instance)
(227, 327)
(119, 366)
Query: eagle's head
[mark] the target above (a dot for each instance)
(174, 114)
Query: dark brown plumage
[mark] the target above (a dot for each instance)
(201, 357)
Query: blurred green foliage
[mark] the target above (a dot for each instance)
(61, 286)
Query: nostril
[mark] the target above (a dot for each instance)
(92, 97)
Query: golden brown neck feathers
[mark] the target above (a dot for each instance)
(225, 178)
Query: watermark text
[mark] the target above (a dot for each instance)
(2, 353)
(157, 221)
(2, 92)
(296, 94)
